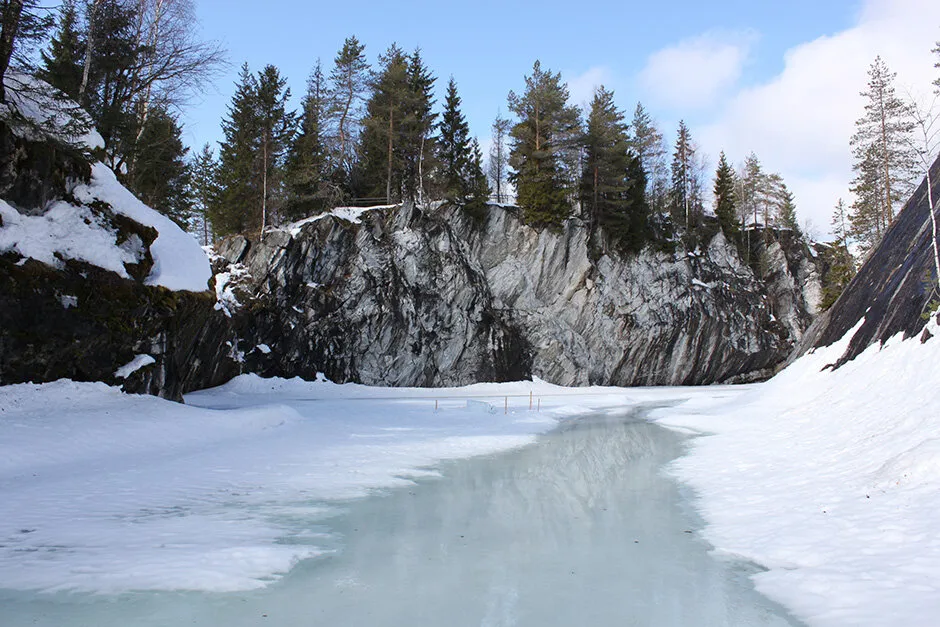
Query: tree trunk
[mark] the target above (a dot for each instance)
(264, 185)
(12, 11)
(89, 49)
(388, 175)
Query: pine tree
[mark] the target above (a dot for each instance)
(498, 163)
(725, 201)
(204, 190)
(349, 82)
(308, 168)
(277, 125)
(647, 142)
(884, 162)
(544, 131)
(685, 194)
(162, 176)
(62, 63)
(237, 206)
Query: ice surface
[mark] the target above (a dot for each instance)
(580, 529)
(106, 492)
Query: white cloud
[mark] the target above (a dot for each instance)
(581, 87)
(799, 123)
(695, 72)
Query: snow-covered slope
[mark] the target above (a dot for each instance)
(830, 479)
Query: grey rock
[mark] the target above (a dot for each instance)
(427, 297)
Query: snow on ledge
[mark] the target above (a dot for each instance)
(138, 362)
(350, 214)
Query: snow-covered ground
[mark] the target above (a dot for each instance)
(831, 480)
(107, 492)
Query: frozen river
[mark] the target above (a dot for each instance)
(583, 527)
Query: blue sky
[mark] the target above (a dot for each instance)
(699, 61)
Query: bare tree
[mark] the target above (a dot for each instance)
(925, 144)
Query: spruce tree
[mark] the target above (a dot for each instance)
(478, 189)
(546, 126)
(417, 145)
(236, 207)
(62, 63)
(725, 201)
(841, 263)
(787, 210)
(884, 162)
(204, 190)
(277, 126)
(162, 176)
(454, 151)
(685, 193)
(613, 183)
(308, 168)
(381, 164)
(647, 143)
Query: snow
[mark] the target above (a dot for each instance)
(106, 492)
(64, 231)
(699, 283)
(831, 480)
(33, 99)
(180, 264)
(264, 349)
(68, 231)
(350, 214)
(225, 284)
(138, 362)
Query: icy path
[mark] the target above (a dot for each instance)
(581, 528)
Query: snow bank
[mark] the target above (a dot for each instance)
(107, 492)
(830, 479)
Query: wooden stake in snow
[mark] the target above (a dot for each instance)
(505, 405)
(530, 400)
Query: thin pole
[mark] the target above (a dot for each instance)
(505, 405)
(530, 401)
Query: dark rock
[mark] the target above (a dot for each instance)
(893, 289)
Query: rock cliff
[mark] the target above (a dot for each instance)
(894, 288)
(405, 296)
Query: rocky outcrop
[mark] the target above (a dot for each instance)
(76, 320)
(406, 296)
(894, 288)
